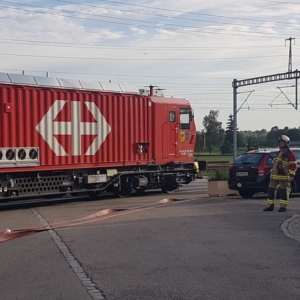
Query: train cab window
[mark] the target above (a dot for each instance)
(172, 116)
(185, 118)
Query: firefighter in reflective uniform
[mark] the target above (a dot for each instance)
(282, 173)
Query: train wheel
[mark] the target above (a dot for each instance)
(170, 187)
(125, 192)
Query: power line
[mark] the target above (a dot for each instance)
(199, 90)
(250, 110)
(180, 27)
(185, 12)
(59, 44)
(282, 2)
(115, 75)
(157, 15)
(139, 59)
(204, 77)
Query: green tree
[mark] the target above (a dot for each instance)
(254, 139)
(199, 143)
(227, 146)
(213, 129)
(261, 137)
(294, 134)
(274, 134)
(252, 143)
(241, 140)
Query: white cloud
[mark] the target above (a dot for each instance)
(138, 30)
(52, 28)
(193, 59)
(170, 6)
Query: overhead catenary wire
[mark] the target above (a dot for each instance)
(130, 47)
(202, 77)
(202, 92)
(180, 28)
(164, 16)
(185, 12)
(211, 102)
(140, 59)
(279, 2)
(251, 109)
(17, 2)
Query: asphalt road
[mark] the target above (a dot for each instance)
(197, 248)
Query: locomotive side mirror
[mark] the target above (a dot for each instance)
(191, 114)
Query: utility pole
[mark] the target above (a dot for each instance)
(290, 56)
(235, 111)
(258, 80)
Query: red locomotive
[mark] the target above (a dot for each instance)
(66, 136)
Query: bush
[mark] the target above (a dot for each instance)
(216, 175)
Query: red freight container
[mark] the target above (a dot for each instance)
(74, 128)
(93, 134)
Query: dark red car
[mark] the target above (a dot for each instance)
(250, 172)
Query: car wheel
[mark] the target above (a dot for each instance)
(246, 194)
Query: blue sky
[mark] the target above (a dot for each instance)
(191, 48)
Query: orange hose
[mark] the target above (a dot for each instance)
(105, 214)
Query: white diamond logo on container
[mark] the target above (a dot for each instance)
(49, 128)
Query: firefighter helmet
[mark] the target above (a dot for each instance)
(285, 139)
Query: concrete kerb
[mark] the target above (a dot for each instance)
(291, 227)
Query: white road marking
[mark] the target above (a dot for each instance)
(71, 260)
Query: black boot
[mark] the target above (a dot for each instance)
(269, 208)
(282, 209)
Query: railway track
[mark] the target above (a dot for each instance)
(198, 186)
(33, 202)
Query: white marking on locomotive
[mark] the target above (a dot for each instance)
(48, 128)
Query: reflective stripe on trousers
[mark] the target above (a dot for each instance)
(284, 192)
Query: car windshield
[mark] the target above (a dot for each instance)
(249, 159)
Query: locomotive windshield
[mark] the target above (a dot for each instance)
(185, 118)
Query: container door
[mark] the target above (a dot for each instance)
(173, 131)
